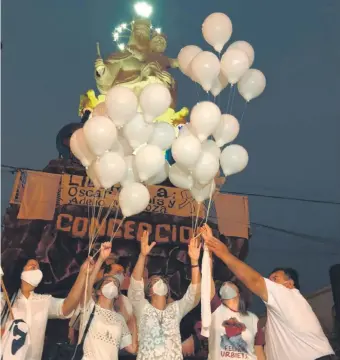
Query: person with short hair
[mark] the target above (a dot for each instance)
(293, 331)
(158, 320)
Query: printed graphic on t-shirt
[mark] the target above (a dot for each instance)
(232, 341)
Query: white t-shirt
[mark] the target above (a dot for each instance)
(159, 330)
(293, 331)
(232, 335)
(35, 311)
(108, 333)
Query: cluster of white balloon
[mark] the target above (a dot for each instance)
(126, 146)
(205, 68)
(197, 150)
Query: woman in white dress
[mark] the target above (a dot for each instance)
(108, 331)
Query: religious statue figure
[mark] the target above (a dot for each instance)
(142, 62)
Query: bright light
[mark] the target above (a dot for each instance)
(158, 30)
(115, 36)
(121, 46)
(143, 9)
(123, 26)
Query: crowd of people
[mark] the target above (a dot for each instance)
(104, 323)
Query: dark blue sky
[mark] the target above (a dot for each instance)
(291, 132)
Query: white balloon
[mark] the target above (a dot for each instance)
(227, 130)
(204, 119)
(149, 161)
(100, 134)
(186, 151)
(210, 146)
(121, 146)
(121, 104)
(202, 193)
(205, 68)
(161, 176)
(206, 168)
(185, 57)
(233, 159)
(220, 83)
(163, 135)
(154, 100)
(252, 84)
(131, 174)
(133, 199)
(110, 169)
(217, 29)
(80, 149)
(91, 173)
(234, 64)
(137, 131)
(180, 178)
(246, 47)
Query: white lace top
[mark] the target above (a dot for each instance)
(108, 333)
(159, 330)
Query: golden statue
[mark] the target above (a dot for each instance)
(142, 62)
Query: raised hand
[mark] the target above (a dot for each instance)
(206, 232)
(105, 250)
(216, 246)
(145, 248)
(194, 249)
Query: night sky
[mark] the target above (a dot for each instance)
(291, 132)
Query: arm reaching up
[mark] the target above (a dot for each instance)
(105, 251)
(250, 277)
(145, 250)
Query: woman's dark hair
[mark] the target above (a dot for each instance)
(291, 274)
(12, 281)
(243, 303)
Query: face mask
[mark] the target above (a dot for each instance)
(120, 277)
(160, 288)
(110, 291)
(32, 277)
(227, 292)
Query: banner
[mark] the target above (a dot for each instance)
(83, 214)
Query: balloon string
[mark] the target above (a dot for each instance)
(120, 224)
(210, 201)
(196, 223)
(232, 100)
(243, 112)
(229, 97)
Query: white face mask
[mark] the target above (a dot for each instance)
(120, 277)
(227, 292)
(32, 277)
(110, 290)
(160, 288)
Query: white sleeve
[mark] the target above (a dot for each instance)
(190, 300)
(136, 296)
(55, 309)
(276, 293)
(126, 338)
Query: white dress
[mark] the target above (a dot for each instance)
(159, 330)
(108, 333)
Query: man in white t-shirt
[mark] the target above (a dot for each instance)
(293, 331)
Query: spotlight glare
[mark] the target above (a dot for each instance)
(143, 9)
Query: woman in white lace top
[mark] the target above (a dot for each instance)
(159, 322)
(108, 332)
